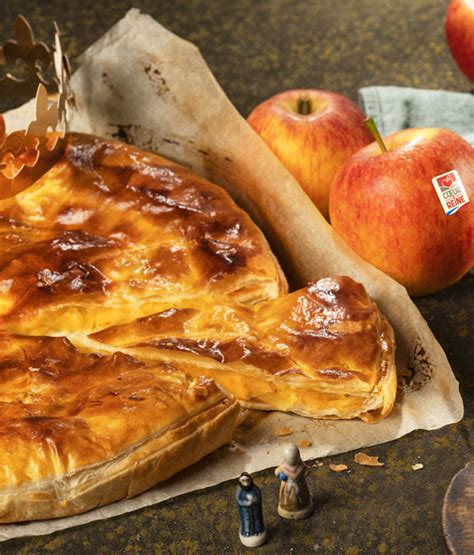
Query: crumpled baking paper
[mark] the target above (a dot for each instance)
(142, 84)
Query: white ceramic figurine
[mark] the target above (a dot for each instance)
(295, 500)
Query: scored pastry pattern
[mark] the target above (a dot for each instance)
(131, 290)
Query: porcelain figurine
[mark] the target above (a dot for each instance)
(295, 500)
(252, 531)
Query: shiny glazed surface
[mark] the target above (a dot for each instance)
(117, 249)
(63, 410)
(113, 227)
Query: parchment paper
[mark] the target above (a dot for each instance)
(142, 84)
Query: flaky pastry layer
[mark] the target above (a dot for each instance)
(82, 430)
(117, 249)
(322, 351)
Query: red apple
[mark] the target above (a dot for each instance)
(384, 205)
(313, 133)
(460, 34)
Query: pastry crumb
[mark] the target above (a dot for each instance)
(200, 392)
(338, 467)
(417, 466)
(366, 460)
(234, 447)
(305, 443)
(280, 432)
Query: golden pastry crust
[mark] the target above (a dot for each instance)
(322, 351)
(110, 229)
(119, 249)
(83, 430)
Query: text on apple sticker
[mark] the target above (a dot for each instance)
(450, 191)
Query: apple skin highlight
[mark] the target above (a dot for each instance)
(385, 207)
(312, 146)
(460, 34)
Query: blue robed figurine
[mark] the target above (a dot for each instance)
(249, 498)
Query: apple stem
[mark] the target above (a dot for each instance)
(375, 133)
(304, 106)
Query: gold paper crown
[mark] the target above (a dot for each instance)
(43, 137)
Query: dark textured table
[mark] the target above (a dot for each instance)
(256, 49)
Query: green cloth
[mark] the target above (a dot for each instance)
(395, 108)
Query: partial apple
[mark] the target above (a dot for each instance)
(312, 132)
(460, 34)
(384, 205)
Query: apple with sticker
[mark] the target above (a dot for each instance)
(404, 204)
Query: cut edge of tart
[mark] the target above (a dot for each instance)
(324, 351)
